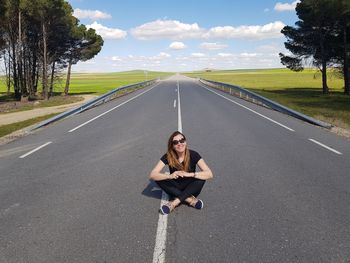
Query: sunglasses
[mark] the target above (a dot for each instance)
(176, 142)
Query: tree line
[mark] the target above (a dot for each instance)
(38, 39)
(322, 37)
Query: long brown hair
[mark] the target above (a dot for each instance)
(173, 157)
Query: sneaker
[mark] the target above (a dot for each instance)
(164, 210)
(199, 204)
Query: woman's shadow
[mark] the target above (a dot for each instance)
(152, 190)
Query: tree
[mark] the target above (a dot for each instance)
(53, 18)
(312, 38)
(342, 50)
(85, 44)
(39, 37)
(2, 27)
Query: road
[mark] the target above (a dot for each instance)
(73, 193)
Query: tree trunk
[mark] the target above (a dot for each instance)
(325, 89)
(14, 72)
(7, 63)
(66, 89)
(346, 66)
(52, 77)
(45, 90)
(20, 58)
(36, 78)
(35, 72)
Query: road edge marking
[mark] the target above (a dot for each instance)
(104, 113)
(261, 115)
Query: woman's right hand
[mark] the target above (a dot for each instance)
(175, 175)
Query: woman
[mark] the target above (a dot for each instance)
(183, 184)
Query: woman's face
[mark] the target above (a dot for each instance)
(179, 143)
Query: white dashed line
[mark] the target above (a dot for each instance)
(36, 149)
(325, 146)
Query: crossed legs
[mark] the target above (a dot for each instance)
(183, 190)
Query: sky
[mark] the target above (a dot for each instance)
(185, 35)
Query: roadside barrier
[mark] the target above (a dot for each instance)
(94, 102)
(260, 100)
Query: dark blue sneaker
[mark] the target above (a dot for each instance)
(199, 204)
(164, 209)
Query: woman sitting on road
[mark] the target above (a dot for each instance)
(183, 184)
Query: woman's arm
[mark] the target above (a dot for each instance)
(204, 174)
(156, 174)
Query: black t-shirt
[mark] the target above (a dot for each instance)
(194, 158)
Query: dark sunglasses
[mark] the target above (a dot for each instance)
(176, 142)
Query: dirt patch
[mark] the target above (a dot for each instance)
(15, 105)
(342, 132)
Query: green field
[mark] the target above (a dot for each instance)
(100, 83)
(301, 91)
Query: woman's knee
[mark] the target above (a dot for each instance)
(199, 182)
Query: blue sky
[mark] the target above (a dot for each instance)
(185, 35)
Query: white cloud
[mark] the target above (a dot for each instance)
(92, 14)
(225, 55)
(164, 55)
(116, 58)
(172, 29)
(166, 29)
(177, 45)
(212, 46)
(280, 7)
(106, 32)
(271, 30)
(248, 55)
(197, 55)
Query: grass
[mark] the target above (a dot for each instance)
(300, 91)
(101, 83)
(9, 128)
(97, 83)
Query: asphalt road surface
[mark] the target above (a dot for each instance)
(72, 193)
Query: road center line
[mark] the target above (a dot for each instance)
(179, 119)
(261, 115)
(81, 125)
(33, 151)
(160, 246)
(325, 146)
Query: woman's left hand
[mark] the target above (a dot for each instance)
(185, 174)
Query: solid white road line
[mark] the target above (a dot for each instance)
(179, 120)
(160, 246)
(81, 125)
(36, 149)
(325, 146)
(261, 115)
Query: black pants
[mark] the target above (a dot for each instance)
(182, 188)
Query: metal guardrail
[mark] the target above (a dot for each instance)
(255, 98)
(94, 102)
